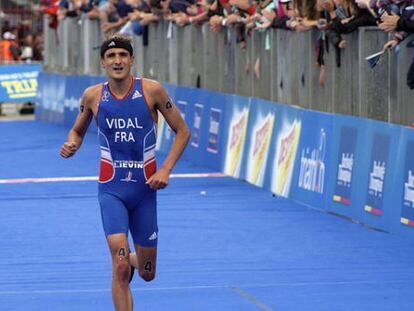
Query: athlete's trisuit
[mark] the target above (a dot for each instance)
(127, 135)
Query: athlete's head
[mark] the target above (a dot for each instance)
(117, 56)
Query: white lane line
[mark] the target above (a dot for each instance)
(95, 178)
(250, 298)
(102, 290)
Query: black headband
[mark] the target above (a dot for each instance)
(116, 43)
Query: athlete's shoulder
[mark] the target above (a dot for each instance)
(92, 93)
(154, 90)
(151, 86)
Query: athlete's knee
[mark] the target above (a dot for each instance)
(121, 267)
(147, 275)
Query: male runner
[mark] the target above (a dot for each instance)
(125, 109)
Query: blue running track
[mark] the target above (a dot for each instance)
(224, 244)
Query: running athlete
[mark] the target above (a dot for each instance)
(126, 110)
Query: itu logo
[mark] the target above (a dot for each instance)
(312, 166)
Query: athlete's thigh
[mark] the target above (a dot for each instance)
(143, 221)
(115, 218)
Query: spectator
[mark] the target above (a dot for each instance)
(51, 8)
(111, 21)
(9, 48)
(27, 48)
(38, 48)
(394, 22)
(68, 8)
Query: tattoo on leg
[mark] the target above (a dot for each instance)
(148, 266)
(168, 105)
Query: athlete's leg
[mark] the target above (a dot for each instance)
(121, 292)
(144, 232)
(133, 260)
(115, 221)
(147, 262)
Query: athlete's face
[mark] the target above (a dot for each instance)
(117, 63)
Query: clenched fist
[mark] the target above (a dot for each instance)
(68, 149)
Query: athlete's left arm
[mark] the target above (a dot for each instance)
(161, 102)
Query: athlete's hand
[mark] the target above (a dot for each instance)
(68, 149)
(159, 180)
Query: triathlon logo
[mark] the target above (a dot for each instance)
(128, 178)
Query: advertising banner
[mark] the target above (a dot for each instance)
(236, 122)
(407, 210)
(377, 171)
(380, 192)
(285, 144)
(314, 160)
(259, 137)
(215, 123)
(19, 83)
(213, 130)
(348, 173)
(196, 126)
(345, 165)
(51, 96)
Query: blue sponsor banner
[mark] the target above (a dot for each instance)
(213, 145)
(215, 121)
(377, 206)
(378, 168)
(19, 83)
(75, 87)
(184, 99)
(407, 199)
(314, 159)
(51, 96)
(399, 192)
(345, 165)
(196, 126)
(349, 170)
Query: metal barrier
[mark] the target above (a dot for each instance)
(277, 65)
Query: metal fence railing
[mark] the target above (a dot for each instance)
(277, 65)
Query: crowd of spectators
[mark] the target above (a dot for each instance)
(20, 43)
(332, 18)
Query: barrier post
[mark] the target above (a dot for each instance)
(345, 87)
(373, 82)
(210, 61)
(261, 64)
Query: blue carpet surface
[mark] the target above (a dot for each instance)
(223, 244)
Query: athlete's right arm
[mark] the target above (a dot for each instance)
(80, 127)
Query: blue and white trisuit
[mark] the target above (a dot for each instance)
(127, 135)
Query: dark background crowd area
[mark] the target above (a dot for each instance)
(22, 21)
